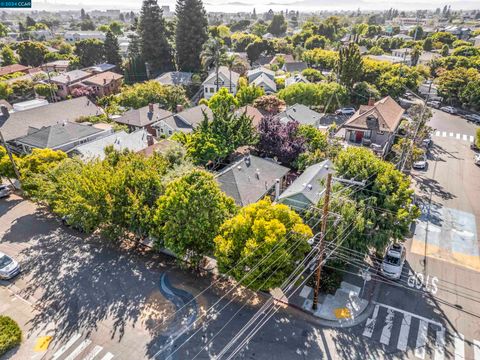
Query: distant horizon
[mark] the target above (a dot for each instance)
(261, 6)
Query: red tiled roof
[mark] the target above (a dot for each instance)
(98, 79)
(10, 69)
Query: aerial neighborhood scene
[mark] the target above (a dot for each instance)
(189, 179)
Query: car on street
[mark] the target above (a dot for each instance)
(477, 159)
(449, 109)
(5, 190)
(393, 261)
(420, 163)
(434, 104)
(426, 143)
(473, 118)
(345, 111)
(8, 267)
(474, 146)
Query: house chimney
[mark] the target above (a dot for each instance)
(149, 140)
(4, 111)
(277, 189)
(104, 82)
(371, 101)
(179, 108)
(150, 108)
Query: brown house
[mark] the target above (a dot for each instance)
(143, 118)
(10, 69)
(105, 83)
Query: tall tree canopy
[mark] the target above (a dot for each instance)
(349, 67)
(154, 46)
(31, 53)
(190, 34)
(90, 52)
(112, 50)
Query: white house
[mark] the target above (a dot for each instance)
(266, 83)
(73, 36)
(224, 77)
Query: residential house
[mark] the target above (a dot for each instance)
(69, 80)
(120, 141)
(226, 79)
(295, 66)
(295, 79)
(404, 53)
(426, 57)
(266, 83)
(255, 73)
(10, 69)
(65, 137)
(404, 37)
(307, 189)
(105, 83)
(374, 125)
(100, 68)
(183, 121)
(301, 114)
(160, 147)
(251, 179)
(74, 36)
(143, 118)
(56, 66)
(251, 112)
(16, 124)
(175, 78)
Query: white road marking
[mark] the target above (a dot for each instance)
(404, 330)
(451, 134)
(437, 133)
(108, 356)
(440, 344)
(64, 348)
(370, 324)
(409, 313)
(78, 350)
(91, 355)
(458, 136)
(444, 134)
(471, 138)
(421, 340)
(465, 137)
(476, 349)
(459, 347)
(387, 328)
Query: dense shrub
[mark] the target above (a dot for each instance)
(10, 334)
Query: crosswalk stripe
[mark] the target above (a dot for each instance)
(421, 340)
(404, 330)
(387, 328)
(64, 348)
(437, 133)
(78, 350)
(458, 136)
(465, 137)
(471, 138)
(476, 349)
(108, 356)
(370, 324)
(459, 347)
(440, 344)
(444, 134)
(451, 134)
(91, 355)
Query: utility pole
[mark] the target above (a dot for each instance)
(321, 246)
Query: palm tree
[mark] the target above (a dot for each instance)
(213, 53)
(230, 62)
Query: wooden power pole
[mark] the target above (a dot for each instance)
(321, 245)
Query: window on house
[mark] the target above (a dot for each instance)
(352, 136)
(170, 132)
(367, 134)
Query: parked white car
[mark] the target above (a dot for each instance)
(8, 267)
(345, 111)
(449, 109)
(5, 190)
(393, 261)
(421, 163)
(477, 159)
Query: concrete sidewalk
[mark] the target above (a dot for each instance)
(35, 341)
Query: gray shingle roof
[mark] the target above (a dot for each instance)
(267, 82)
(142, 117)
(300, 113)
(57, 135)
(295, 66)
(249, 179)
(307, 184)
(175, 78)
(71, 76)
(16, 124)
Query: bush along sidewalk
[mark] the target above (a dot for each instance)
(10, 334)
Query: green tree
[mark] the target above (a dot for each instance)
(417, 33)
(349, 66)
(190, 34)
(270, 104)
(376, 50)
(443, 37)
(7, 55)
(259, 229)
(415, 54)
(315, 41)
(185, 222)
(154, 46)
(428, 44)
(5, 90)
(112, 50)
(46, 90)
(223, 100)
(3, 30)
(213, 54)
(87, 25)
(452, 83)
(116, 28)
(31, 53)
(277, 26)
(445, 50)
(466, 51)
(247, 94)
(470, 95)
(362, 92)
(254, 50)
(313, 75)
(10, 334)
(323, 59)
(90, 52)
